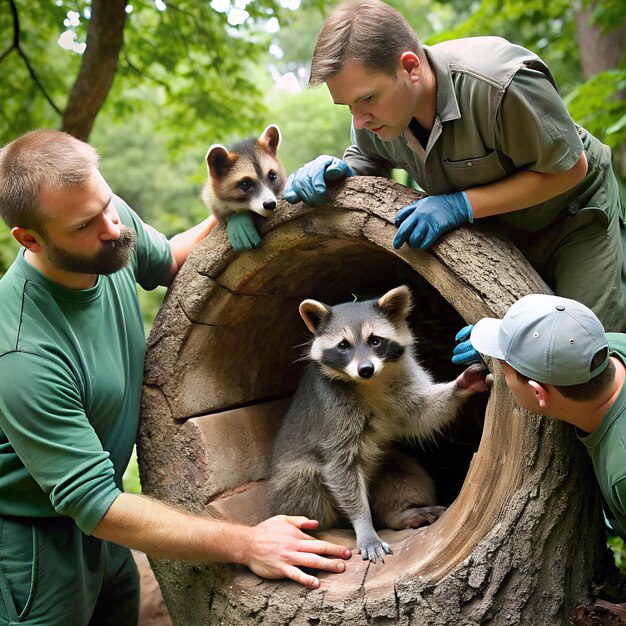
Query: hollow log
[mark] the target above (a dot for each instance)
(522, 540)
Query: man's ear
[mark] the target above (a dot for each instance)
(26, 238)
(410, 62)
(542, 395)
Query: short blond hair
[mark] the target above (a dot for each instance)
(38, 160)
(369, 32)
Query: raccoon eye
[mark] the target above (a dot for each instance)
(375, 341)
(245, 185)
(343, 345)
(272, 175)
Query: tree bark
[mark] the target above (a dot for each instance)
(600, 51)
(105, 39)
(522, 542)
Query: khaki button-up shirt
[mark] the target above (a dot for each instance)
(498, 112)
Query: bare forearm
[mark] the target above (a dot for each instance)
(522, 190)
(183, 243)
(275, 548)
(156, 529)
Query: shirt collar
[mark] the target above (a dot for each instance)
(447, 104)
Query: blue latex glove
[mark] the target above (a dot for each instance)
(464, 352)
(424, 221)
(309, 182)
(242, 232)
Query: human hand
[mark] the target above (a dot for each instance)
(424, 221)
(464, 352)
(309, 182)
(242, 232)
(278, 549)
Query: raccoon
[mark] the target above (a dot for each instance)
(245, 177)
(333, 457)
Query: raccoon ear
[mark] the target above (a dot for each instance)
(270, 138)
(219, 160)
(397, 303)
(313, 313)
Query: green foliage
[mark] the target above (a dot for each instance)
(8, 248)
(546, 28)
(159, 183)
(616, 544)
(130, 479)
(310, 125)
(187, 60)
(608, 14)
(150, 301)
(598, 107)
(23, 103)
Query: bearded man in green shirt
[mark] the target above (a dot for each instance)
(71, 364)
(478, 123)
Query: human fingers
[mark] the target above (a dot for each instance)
(402, 214)
(338, 169)
(310, 545)
(302, 522)
(423, 236)
(289, 193)
(464, 333)
(298, 576)
(404, 232)
(464, 353)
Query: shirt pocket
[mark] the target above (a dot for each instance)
(19, 568)
(473, 172)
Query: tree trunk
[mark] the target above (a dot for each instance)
(600, 51)
(105, 39)
(522, 541)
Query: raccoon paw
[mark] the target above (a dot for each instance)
(374, 549)
(475, 379)
(417, 517)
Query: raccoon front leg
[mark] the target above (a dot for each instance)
(439, 403)
(349, 489)
(297, 488)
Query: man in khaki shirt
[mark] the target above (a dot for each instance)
(478, 123)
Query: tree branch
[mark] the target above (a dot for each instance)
(16, 46)
(141, 72)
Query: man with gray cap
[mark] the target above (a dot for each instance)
(558, 361)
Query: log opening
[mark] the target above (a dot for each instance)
(220, 369)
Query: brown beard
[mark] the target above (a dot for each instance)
(112, 256)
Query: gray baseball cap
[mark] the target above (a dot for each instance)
(547, 338)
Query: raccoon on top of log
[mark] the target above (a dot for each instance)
(363, 390)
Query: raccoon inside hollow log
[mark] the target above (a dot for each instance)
(220, 370)
(363, 391)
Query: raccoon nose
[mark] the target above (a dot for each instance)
(269, 205)
(366, 369)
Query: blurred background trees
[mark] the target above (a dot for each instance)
(152, 83)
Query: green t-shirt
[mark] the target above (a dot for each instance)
(71, 369)
(607, 447)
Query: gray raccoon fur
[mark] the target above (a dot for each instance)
(362, 391)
